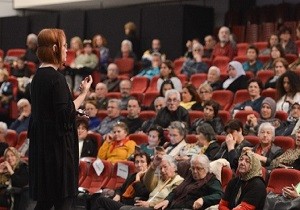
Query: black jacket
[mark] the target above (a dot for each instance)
(165, 116)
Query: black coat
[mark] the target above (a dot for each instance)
(238, 84)
(164, 117)
(53, 150)
(89, 148)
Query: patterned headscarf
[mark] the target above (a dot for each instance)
(255, 166)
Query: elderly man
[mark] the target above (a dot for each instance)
(195, 65)
(3, 143)
(125, 90)
(155, 47)
(30, 54)
(224, 47)
(100, 96)
(112, 82)
(173, 111)
(22, 122)
(113, 116)
(133, 121)
(210, 42)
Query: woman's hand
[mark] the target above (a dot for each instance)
(291, 192)
(139, 175)
(142, 203)
(86, 84)
(198, 203)
(162, 205)
(7, 167)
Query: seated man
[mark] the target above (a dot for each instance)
(100, 96)
(125, 90)
(22, 122)
(112, 82)
(155, 48)
(210, 42)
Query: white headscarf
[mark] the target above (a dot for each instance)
(239, 72)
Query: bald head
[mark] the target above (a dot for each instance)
(112, 71)
(101, 90)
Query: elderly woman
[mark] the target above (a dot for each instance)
(247, 190)
(200, 190)
(267, 114)
(205, 92)
(117, 146)
(3, 132)
(177, 134)
(159, 186)
(237, 77)
(266, 150)
(173, 111)
(14, 173)
(255, 87)
(213, 78)
(126, 50)
(189, 96)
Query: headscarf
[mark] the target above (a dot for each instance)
(272, 104)
(239, 72)
(255, 166)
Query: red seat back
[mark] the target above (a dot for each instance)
(11, 138)
(224, 98)
(125, 66)
(21, 139)
(139, 138)
(191, 138)
(285, 142)
(242, 115)
(198, 79)
(226, 176)
(147, 115)
(195, 115)
(153, 85)
(139, 84)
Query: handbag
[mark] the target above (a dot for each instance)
(276, 201)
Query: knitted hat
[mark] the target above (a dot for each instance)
(255, 168)
(272, 104)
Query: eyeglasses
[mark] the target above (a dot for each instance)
(204, 92)
(170, 100)
(196, 50)
(192, 168)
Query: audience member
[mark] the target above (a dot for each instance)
(234, 143)
(288, 90)
(237, 77)
(167, 72)
(248, 189)
(273, 40)
(76, 45)
(173, 111)
(91, 110)
(165, 86)
(267, 114)
(6, 89)
(276, 52)
(155, 48)
(189, 45)
(252, 63)
(100, 96)
(280, 67)
(200, 190)
(88, 147)
(155, 138)
(224, 46)
(133, 120)
(117, 146)
(125, 90)
(32, 44)
(195, 65)
(205, 92)
(177, 135)
(112, 81)
(213, 78)
(295, 66)
(126, 50)
(189, 96)
(113, 116)
(153, 69)
(209, 45)
(210, 116)
(3, 143)
(22, 122)
(100, 43)
(286, 42)
(287, 127)
(255, 87)
(2, 66)
(130, 31)
(20, 68)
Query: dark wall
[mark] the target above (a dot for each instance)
(46, 20)
(73, 23)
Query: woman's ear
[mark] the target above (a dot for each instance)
(55, 48)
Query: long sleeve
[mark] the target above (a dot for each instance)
(20, 177)
(102, 153)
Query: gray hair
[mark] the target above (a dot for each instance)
(203, 160)
(171, 92)
(117, 101)
(214, 68)
(22, 101)
(159, 98)
(3, 127)
(206, 86)
(267, 125)
(171, 160)
(115, 67)
(33, 38)
(180, 126)
(127, 42)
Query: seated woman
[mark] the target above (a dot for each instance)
(237, 77)
(247, 190)
(132, 188)
(266, 150)
(280, 66)
(100, 43)
(288, 90)
(200, 190)
(276, 52)
(290, 156)
(177, 134)
(155, 138)
(159, 185)
(252, 63)
(205, 92)
(167, 72)
(267, 114)
(273, 40)
(90, 107)
(189, 96)
(88, 147)
(6, 89)
(213, 78)
(126, 50)
(255, 87)
(117, 146)
(13, 172)
(3, 143)
(288, 127)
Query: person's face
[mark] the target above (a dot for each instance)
(119, 133)
(173, 102)
(298, 138)
(165, 88)
(197, 51)
(285, 37)
(273, 40)
(208, 112)
(140, 163)
(295, 111)
(212, 76)
(286, 84)
(265, 136)
(275, 53)
(113, 110)
(100, 90)
(11, 158)
(244, 164)
(99, 41)
(133, 108)
(20, 64)
(266, 111)
(164, 70)
(31, 44)
(153, 139)
(209, 42)
(279, 68)
(253, 89)
(156, 61)
(112, 72)
(186, 95)
(88, 49)
(25, 108)
(125, 48)
(205, 94)
(74, 45)
(64, 50)
(159, 104)
(175, 136)
(82, 132)
(224, 35)
(166, 170)
(202, 141)
(251, 54)
(125, 89)
(91, 110)
(198, 171)
(156, 45)
(232, 72)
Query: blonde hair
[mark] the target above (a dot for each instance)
(16, 153)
